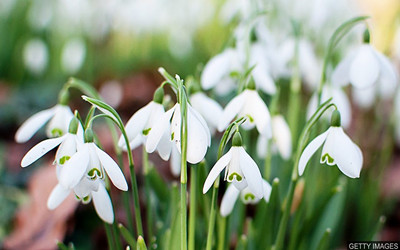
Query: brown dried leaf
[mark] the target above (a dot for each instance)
(36, 227)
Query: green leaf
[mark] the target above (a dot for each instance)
(105, 108)
(141, 245)
(127, 235)
(324, 243)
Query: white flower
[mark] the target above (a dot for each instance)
(281, 139)
(198, 136)
(59, 116)
(339, 98)
(92, 161)
(246, 195)
(260, 73)
(338, 149)
(69, 144)
(208, 108)
(140, 125)
(85, 190)
(247, 104)
(364, 68)
(217, 70)
(241, 170)
(36, 56)
(73, 55)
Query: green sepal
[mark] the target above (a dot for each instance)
(237, 140)
(73, 126)
(366, 36)
(335, 119)
(159, 95)
(89, 135)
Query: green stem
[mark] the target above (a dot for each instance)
(110, 240)
(149, 215)
(183, 132)
(116, 235)
(192, 215)
(221, 233)
(213, 211)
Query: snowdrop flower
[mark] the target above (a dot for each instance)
(69, 144)
(94, 162)
(59, 116)
(338, 149)
(260, 73)
(364, 68)
(281, 139)
(208, 108)
(241, 169)
(339, 98)
(248, 104)
(73, 55)
(198, 134)
(85, 190)
(140, 124)
(217, 71)
(246, 195)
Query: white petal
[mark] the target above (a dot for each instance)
(231, 110)
(112, 169)
(33, 124)
(262, 146)
(341, 74)
(67, 148)
(158, 130)
(364, 98)
(39, 150)
(102, 204)
(364, 69)
(136, 123)
(165, 145)
(267, 190)
(387, 77)
(175, 162)
(258, 111)
(282, 136)
(229, 200)
(198, 138)
(57, 196)
(86, 186)
(346, 153)
(216, 69)
(251, 173)
(208, 108)
(75, 168)
(310, 150)
(60, 121)
(216, 170)
(263, 80)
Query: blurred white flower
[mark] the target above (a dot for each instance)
(36, 56)
(247, 104)
(73, 55)
(339, 98)
(281, 139)
(364, 68)
(246, 195)
(198, 133)
(59, 116)
(241, 170)
(261, 71)
(208, 108)
(338, 149)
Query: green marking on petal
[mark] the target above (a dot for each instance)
(56, 132)
(77, 197)
(172, 136)
(94, 173)
(86, 199)
(146, 131)
(232, 176)
(249, 197)
(64, 159)
(250, 118)
(328, 159)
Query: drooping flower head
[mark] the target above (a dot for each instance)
(337, 149)
(246, 195)
(240, 169)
